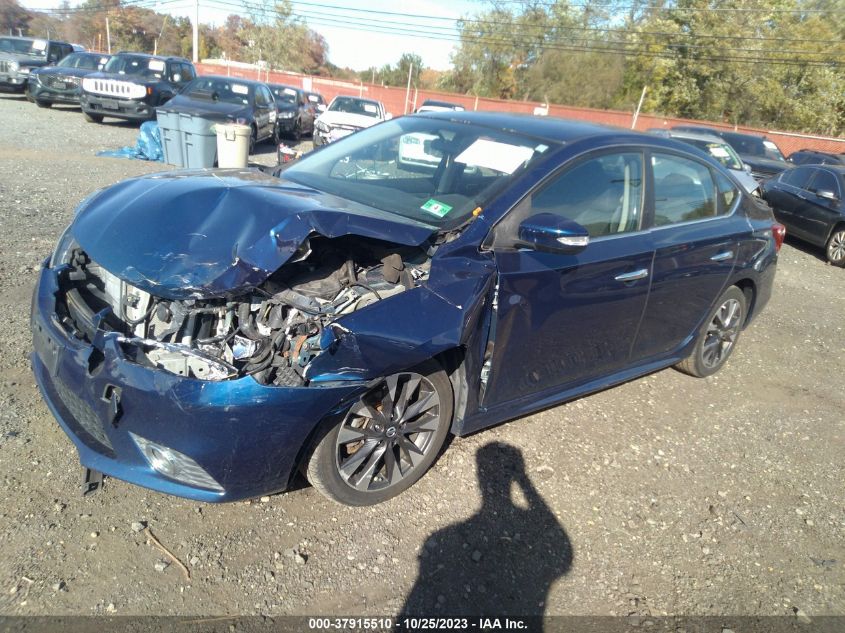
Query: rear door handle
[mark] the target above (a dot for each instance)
(633, 275)
(722, 256)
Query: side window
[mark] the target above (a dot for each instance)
(798, 177)
(188, 73)
(825, 181)
(603, 194)
(683, 190)
(726, 194)
(261, 99)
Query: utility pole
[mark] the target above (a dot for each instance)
(196, 30)
(108, 37)
(408, 89)
(155, 44)
(639, 105)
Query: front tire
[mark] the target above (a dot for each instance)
(718, 335)
(387, 440)
(835, 248)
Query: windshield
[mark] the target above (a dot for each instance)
(135, 65)
(431, 171)
(36, 48)
(82, 60)
(355, 106)
(722, 152)
(222, 90)
(754, 146)
(283, 94)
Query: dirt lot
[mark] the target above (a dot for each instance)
(667, 495)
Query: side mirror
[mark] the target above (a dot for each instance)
(554, 234)
(827, 195)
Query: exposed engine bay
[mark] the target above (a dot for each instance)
(271, 333)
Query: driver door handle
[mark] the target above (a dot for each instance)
(633, 275)
(722, 256)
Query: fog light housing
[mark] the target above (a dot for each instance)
(175, 465)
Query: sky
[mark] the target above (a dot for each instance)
(349, 45)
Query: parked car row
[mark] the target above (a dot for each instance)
(131, 86)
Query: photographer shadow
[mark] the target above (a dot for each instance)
(504, 559)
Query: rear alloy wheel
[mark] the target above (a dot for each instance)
(387, 440)
(93, 118)
(835, 249)
(718, 336)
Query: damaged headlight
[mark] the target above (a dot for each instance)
(63, 249)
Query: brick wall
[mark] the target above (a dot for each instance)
(394, 99)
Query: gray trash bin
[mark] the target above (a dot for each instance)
(199, 141)
(171, 137)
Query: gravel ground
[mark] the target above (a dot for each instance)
(666, 495)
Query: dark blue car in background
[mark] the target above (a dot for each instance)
(209, 333)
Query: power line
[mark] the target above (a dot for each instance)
(417, 31)
(664, 8)
(434, 29)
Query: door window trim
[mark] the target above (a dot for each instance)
(650, 175)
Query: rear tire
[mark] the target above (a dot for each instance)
(387, 440)
(835, 248)
(93, 118)
(718, 336)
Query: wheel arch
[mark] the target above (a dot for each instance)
(839, 224)
(749, 290)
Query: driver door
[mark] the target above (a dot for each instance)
(564, 320)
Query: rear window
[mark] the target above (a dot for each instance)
(753, 146)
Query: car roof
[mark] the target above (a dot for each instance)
(164, 58)
(285, 86)
(839, 169)
(249, 82)
(445, 104)
(32, 39)
(546, 127)
(705, 136)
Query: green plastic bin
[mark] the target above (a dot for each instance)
(199, 141)
(171, 136)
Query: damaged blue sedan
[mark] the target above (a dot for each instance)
(210, 333)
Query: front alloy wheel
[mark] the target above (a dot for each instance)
(835, 250)
(718, 336)
(387, 440)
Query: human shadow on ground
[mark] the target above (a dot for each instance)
(501, 561)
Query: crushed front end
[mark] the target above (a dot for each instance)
(203, 398)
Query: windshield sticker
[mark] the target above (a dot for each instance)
(39, 45)
(240, 89)
(156, 65)
(719, 152)
(369, 107)
(501, 157)
(770, 145)
(289, 91)
(437, 208)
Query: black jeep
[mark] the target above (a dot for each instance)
(20, 55)
(132, 85)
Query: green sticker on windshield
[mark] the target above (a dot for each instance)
(437, 208)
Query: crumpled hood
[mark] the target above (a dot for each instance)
(210, 233)
(215, 110)
(331, 117)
